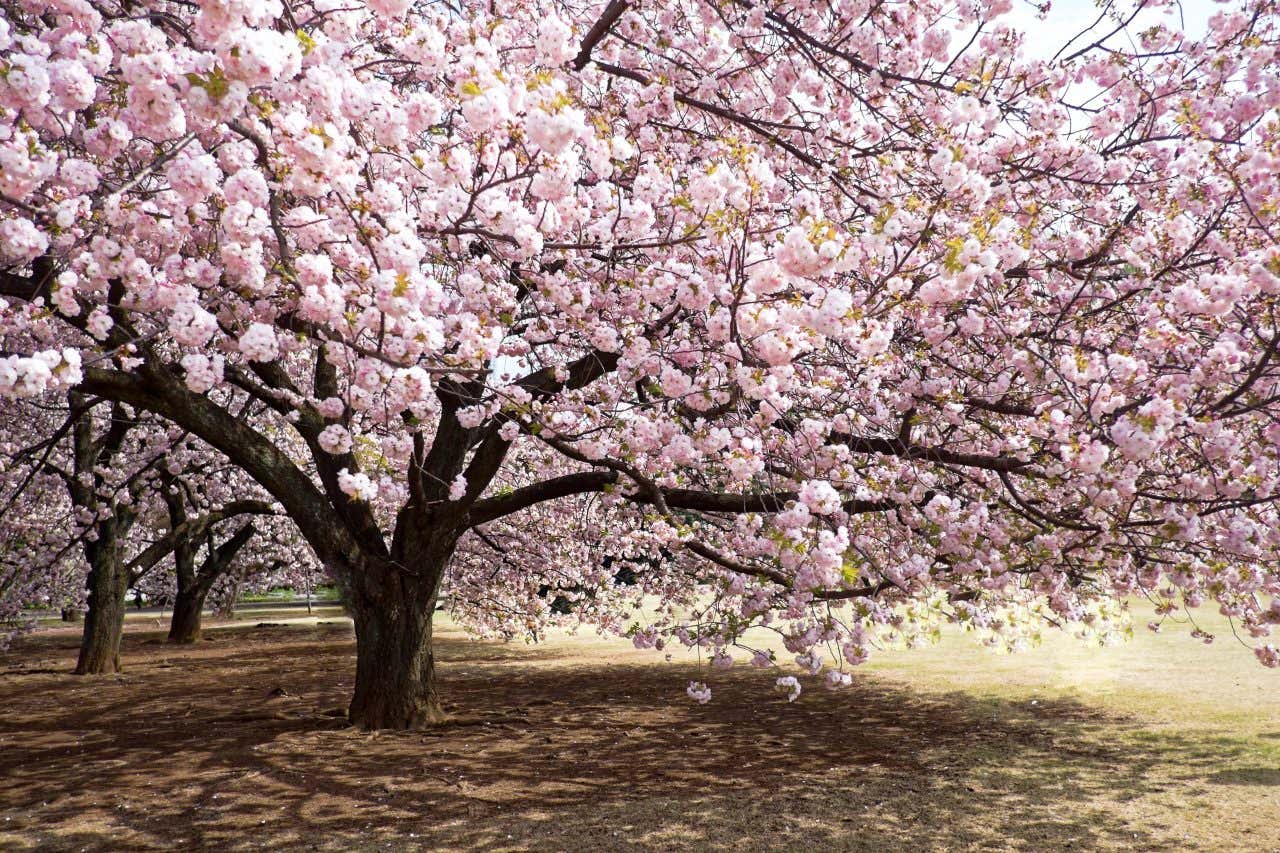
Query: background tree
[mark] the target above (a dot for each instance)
(105, 459)
(118, 473)
(37, 571)
(210, 513)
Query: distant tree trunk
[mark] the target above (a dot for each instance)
(391, 603)
(108, 582)
(184, 626)
(188, 607)
(227, 608)
(194, 586)
(72, 614)
(104, 623)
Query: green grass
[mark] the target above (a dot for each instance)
(320, 593)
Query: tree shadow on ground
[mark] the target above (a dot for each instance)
(236, 745)
(1247, 776)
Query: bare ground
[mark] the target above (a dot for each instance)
(588, 745)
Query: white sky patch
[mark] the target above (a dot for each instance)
(1067, 18)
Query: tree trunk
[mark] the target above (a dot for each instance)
(392, 603)
(72, 614)
(225, 605)
(188, 607)
(184, 624)
(395, 669)
(194, 586)
(104, 623)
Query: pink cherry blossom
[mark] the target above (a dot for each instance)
(845, 325)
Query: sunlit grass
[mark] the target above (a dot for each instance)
(1174, 737)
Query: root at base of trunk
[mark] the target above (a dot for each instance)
(430, 716)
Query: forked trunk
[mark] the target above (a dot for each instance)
(184, 627)
(391, 603)
(104, 622)
(193, 586)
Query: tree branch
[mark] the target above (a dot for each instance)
(894, 447)
(259, 457)
(598, 31)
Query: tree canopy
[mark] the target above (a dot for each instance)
(841, 318)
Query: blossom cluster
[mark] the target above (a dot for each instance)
(845, 322)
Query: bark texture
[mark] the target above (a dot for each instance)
(392, 602)
(395, 670)
(104, 623)
(185, 625)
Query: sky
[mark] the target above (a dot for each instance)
(1066, 18)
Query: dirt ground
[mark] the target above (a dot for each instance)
(587, 745)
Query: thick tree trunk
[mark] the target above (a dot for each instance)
(184, 626)
(104, 622)
(108, 581)
(392, 603)
(395, 669)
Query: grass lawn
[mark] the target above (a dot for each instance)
(1177, 739)
(582, 743)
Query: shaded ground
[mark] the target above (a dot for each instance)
(587, 745)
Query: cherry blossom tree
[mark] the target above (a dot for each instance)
(37, 571)
(87, 486)
(844, 319)
(274, 559)
(200, 559)
(213, 523)
(103, 460)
